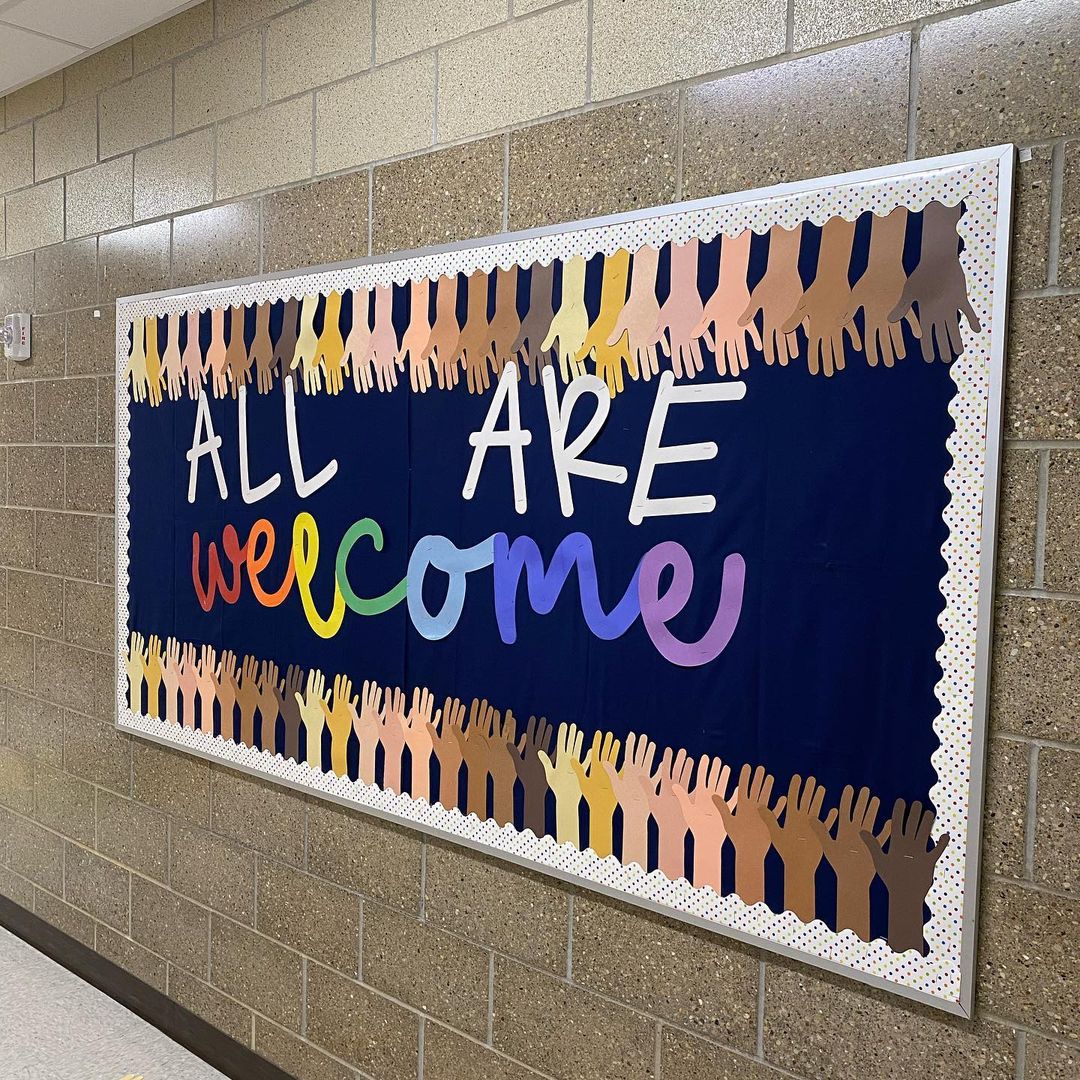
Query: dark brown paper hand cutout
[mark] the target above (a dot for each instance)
(826, 309)
(285, 346)
(907, 868)
(777, 295)
(879, 290)
(938, 286)
(505, 324)
(526, 346)
(531, 773)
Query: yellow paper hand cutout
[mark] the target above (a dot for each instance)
(571, 322)
(307, 346)
(611, 356)
(330, 351)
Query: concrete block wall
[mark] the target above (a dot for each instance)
(248, 136)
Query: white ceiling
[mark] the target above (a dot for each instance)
(37, 37)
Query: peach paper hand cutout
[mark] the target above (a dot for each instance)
(629, 784)
(570, 323)
(367, 725)
(192, 359)
(610, 358)
(826, 310)
(673, 771)
(777, 295)
(392, 737)
(414, 340)
(703, 818)
(382, 350)
(215, 354)
(526, 346)
(562, 778)
(639, 315)
(330, 351)
(442, 345)
(938, 286)
(681, 313)
(417, 733)
(879, 290)
(136, 369)
(306, 352)
(748, 831)
(170, 358)
(725, 307)
(595, 783)
(155, 377)
(358, 341)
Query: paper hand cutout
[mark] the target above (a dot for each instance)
(237, 361)
(595, 783)
(474, 342)
(570, 323)
(777, 295)
(306, 352)
(673, 770)
(500, 741)
(796, 842)
(312, 706)
(442, 345)
(155, 377)
(681, 313)
(135, 663)
(417, 734)
(289, 708)
(938, 286)
(392, 737)
(247, 699)
(562, 778)
(170, 679)
(725, 307)
(611, 357)
(226, 689)
(472, 743)
(748, 830)
(505, 324)
(367, 724)
(358, 341)
(703, 819)
(449, 720)
(330, 350)
(262, 349)
(907, 868)
(215, 354)
(640, 314)
(285, 346)
(269, 704)
(532, 774)
(382, 350)
(526, 346)
(136, 370)
(629, 784)
(171, 365)
(879, 290)
(414, 340)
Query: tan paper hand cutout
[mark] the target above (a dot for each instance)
(640, 314)
(777, 295)
(879, 290)
(313, 706)
(136, 369)
(170, 678)
(417, 734)
(938, 286)
(681, 313)
(826, 310)
(526, 346)
(359, 341)
(673, 771)
(611, 357)
(382, 350)
(192, 359)
(247, 699)
(215, 354)
(367, 725)
(449, 720)
(703, 818)
(226, 691)
(570, 323)
(392, 737)
(726, 306)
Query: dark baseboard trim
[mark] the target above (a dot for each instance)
(191, 1031)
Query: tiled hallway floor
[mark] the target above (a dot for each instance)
(54, 1026)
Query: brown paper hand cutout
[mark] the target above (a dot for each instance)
(414, 341)
(534, 327)
(681, 313)
(500, 744)
(262, 349)
(826, 309)
(531, 773)
(505, 324)
(629, 784)
(907, 869)
(442, 345)
(640, 314)
(215, 353)
(247, 699)
(472, 743)
(237, 363)
(796, 842)
(610, 357)
(777, 295)
(382, 350)
(285, 346)
(938, 286)
(570, 323)
(748, 830)
(226, 690)
(356, 344)
(474, 342)
(879, 290)
(849, 856)
(726, 306)
(444, 742)
(191, 358)
(269, 700)
(703, 817)
(330, 350)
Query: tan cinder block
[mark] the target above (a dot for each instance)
(217, 244)
(488, 902)
(66, 140)
(17, 413)
(98, 71)
(174, 36)
(64, 804)
(254, 970)
(1019, 496)
(97, 886)
(106, 412)
(691, 1058)
(448, 1055)
(296, 1057)
(36, 99)
(452, 194)
(265, 149)
(1042, 373)
(494, 80)
(235, 14)
(1057, 847)
(106, 550)
(1050, 1060)
(341, 1017)
(317, 44)
(1036, 668)
(168, 780)
(638, 44)
(134, 261)
(90, 478)
(17, 672)
(559, 1028)
(262, 815)
(64, 674)
(821, 21)
(998, 76)
(169, 925)
(35, 854)
(175, 176)
(91, 341)
(99, 198)
(64, 917)
(214, 1007)
(125, 953)
(134, 835)
(384, 113)
(402, 28)
(36, 476)
(17, 537)
(69, 544)
(35, 217)
(753, 129)
(689, 976)
(219, 81)
(215, 872)
(65, 276)
(136, 113)
(18, 889)
(17, 158)
(66, 411)
(1063, 521)
(97, 752)
(622, 158)
(1005, 806)
(17, 283)
(1030, 249)
(822, 1025)
(35, 603)
(1029, 957)
(89, 615)
(426, 968)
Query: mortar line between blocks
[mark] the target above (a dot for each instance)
(1031, 818)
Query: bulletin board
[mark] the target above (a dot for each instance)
(653, 552)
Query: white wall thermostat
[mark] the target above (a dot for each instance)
(16, 336)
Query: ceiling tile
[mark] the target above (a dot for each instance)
(24, 56)
(88, 24)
